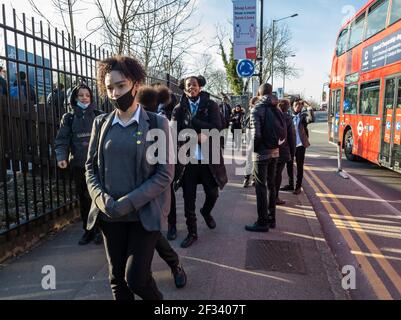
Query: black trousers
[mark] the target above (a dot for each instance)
(265, 178)
(172, 216)
(290, 172)
(237, 137)
(166, 252)
(198, 174)
(130, 249)
(279, 176)
(82, 193)
(300, 161)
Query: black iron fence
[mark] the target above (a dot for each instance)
(42, 65)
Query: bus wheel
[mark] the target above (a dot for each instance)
(348, 146)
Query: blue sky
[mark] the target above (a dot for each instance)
(314, 34)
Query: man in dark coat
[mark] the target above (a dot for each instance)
(198, 112)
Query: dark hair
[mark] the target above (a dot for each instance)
(265, 89)
(253, 101)
(163, 94)
(22, 75)
(200, 79)
(148, 97)
(284, 105)
(131, 68)
(75, 92)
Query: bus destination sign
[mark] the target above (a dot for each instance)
(382, 53)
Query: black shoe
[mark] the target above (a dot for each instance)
(98, 239)
(189, 241)
(171, 233)
(287, 188)
(257, 227)
(209, 221)
(247, 182)
(271, 223)
(298, 191)
(86, 238)
(180, 278)
(280, 202)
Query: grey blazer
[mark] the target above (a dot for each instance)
(151, 197)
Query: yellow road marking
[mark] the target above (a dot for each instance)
(377, 285)
(384, 263)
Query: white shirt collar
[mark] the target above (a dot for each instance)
(135, 118)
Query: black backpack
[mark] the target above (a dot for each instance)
(70, 117)
(275, 128)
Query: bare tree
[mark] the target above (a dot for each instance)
(119, 23)
(67, 10)
(282, 50)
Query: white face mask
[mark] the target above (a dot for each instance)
(82, 105)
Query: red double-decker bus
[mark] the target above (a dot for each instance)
(365, 85)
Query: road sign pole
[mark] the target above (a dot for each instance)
(340, 171)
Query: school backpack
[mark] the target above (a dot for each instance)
(275, 127)
(70, 117)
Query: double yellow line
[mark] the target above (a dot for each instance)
(374, 279)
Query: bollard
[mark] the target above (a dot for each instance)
(340, 171)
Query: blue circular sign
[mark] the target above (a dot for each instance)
(398, 126)
(388, 125)
(245, 68)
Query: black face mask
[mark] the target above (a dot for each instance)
(124, 102)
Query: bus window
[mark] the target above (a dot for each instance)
(351, 99)
(342, 42)
(377, 17)
(395, 11)
(356, 31)
(369, 103)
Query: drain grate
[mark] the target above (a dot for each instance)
(276, 256)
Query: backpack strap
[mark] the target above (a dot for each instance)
(153, 120)
(69, 119)
(97, 112)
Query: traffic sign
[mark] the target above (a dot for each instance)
(245, 68)
(398, 126)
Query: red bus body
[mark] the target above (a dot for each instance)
(372, 68)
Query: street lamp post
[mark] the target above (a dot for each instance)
(273, 38)
(291, 56)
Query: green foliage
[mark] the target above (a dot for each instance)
(230, 64)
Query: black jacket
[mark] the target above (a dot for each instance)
(287, 149)
(226, 112)
(237, 119)
(307, 117)
(73, 137)
(258, 123)
(208, 117)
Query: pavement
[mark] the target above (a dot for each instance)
(292, 262)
